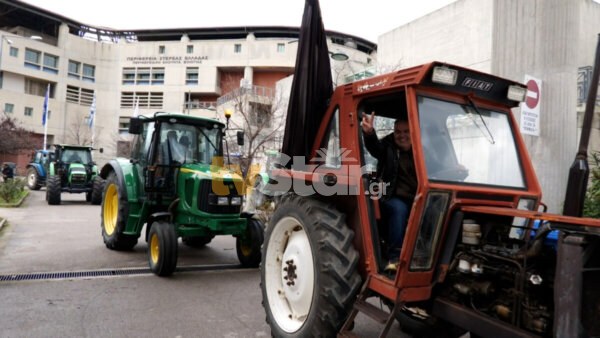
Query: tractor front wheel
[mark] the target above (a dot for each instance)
(53, 190)
(248, 245)
(96, 193)
(309, 270)
(114, 216)
(162, 248)
(33, 179)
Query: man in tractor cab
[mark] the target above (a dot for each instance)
(396, 167)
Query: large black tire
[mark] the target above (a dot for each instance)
(33, 179)
(114, 216)
(248, 246)
(97, 188)
(53, 190)
(197, 241)
(162, 248)
(309, 245)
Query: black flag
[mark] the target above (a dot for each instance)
(311, 87)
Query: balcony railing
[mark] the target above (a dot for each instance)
(251, 90)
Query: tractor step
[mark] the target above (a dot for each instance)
(371, 311)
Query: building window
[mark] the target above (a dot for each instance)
(161, 49)
(191, 76)
(89, 73)
(123, 125)
(143, 76)
(158, 76)
(237, 48)
(28, 111)
(74, 69)
(80, 96)
(50, 63)
(280, 47)
(128, 76)
(37, 87)
(190, 49)
(8, 108)
(32, 58)
(14, 52)
(147, 100)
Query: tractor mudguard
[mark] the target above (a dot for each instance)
(156, 216)
(125, 174)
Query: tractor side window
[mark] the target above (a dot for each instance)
(330, 146)
(141, 144)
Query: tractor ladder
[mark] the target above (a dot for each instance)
(371, 311)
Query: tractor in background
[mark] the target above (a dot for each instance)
(175, 184)
(37, 168)
(73, 171)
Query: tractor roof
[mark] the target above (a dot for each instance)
(164, 116)
(467, 82)
(72, 146)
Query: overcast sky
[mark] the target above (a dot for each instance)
(366, 19)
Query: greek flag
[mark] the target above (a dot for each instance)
(45, 108)
(92, 112)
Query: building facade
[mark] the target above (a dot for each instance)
(198, 71)
(553, 41)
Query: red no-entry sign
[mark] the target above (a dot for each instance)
(533, 94)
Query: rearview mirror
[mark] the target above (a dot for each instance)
(135, 126)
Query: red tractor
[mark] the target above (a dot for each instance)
(478, 254)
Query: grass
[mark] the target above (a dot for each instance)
(14, 202)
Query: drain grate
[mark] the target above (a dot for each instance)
(107, 273)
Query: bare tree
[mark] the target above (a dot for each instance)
(257, 112)
(15, 138)
(80, 132)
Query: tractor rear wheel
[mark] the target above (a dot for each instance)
(248, 245)
(33, 179)
(197, 241)
(162, 248)
(114, 216)
(53, 190)
(309, 273)
(96, 193)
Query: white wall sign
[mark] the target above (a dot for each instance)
(530, 109)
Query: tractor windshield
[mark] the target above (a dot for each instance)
(186, 143)
(71, 155)
(464, 143)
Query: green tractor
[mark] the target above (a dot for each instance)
(72, 170)
(176, 184)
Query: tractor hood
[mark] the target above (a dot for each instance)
(222, 177)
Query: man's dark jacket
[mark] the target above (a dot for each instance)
(388, 166)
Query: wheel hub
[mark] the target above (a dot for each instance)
(290, 272)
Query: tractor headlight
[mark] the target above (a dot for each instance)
(222, 200)
(236, 200)
(444, 75)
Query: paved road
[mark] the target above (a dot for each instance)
(207, 303)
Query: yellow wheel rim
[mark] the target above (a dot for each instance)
(154, 249)
(110, 209)
(246, 250)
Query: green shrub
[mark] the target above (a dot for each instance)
(591, 205)
(12, 190)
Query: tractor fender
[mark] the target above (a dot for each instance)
(155, 216)
(246, 214)
(125, 174)
(38, 167)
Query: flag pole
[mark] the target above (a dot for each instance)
(45, 115)
(93, 118)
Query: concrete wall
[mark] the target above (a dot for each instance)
(547, 39)
(459, 33)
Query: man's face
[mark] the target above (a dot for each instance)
(402, 135)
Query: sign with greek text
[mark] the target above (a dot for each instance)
(530, 109)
